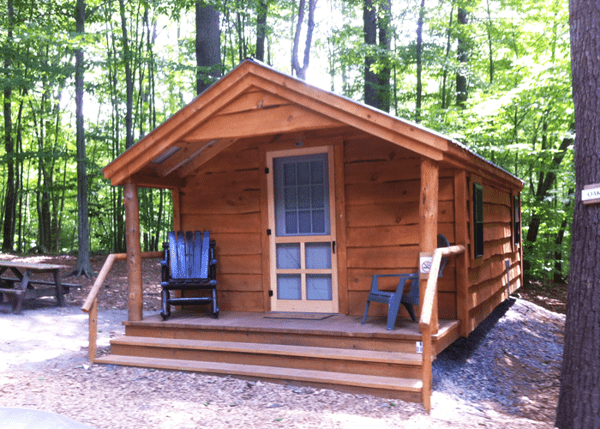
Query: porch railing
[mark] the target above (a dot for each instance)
(90, 305)
(425, 323)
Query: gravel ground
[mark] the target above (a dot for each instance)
(505, 375)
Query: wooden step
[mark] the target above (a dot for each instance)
(308, 338)
(366, 362)
(391, 387)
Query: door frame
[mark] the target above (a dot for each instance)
(302, 305)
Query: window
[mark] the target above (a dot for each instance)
(478, 219)
(516, 220)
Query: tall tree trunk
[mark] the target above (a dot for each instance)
(462, 53)
(10, 206)
(384, 22)
(370, 33)
(128, 78)
(580, 374)
(419, 96)
(83, 231)
(300, 70)
(262, 11)
(208, 46)
(446, 63)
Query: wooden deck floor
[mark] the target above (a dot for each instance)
(337, 325)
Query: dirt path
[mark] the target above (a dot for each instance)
(503, 377)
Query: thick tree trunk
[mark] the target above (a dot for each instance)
(262, 10)
(384, 23)
(370, 31)
(83, 231)
(208, 46)
(579, 399)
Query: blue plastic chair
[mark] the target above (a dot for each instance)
(394, 299)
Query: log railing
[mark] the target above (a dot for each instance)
(90, 305)
(425, 323)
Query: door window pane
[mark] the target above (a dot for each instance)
(318, 287)
(318, 256)
(288, 256)
(301, 195)
(289, 287)
(304, 222)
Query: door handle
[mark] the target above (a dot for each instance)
(333, 247)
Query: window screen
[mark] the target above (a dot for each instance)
(478, 219)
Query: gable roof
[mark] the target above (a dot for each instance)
(255, 100)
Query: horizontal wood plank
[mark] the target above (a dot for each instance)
(406, 213)
(253, 99)
(394, 192)
(240, 282)
(260, 122)
(239, 264)
(220, 203)
(399, 235)
(226, 223)
(383, 257)
(237, 243)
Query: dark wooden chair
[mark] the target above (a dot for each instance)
(397, 297)
(189, 264)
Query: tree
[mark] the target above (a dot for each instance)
(300, 70)
(10, 205)
(580, 374)
(83, 232)
(208, 45)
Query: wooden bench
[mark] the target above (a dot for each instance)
(21, 287)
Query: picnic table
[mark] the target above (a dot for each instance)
(21, 286)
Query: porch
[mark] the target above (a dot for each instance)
(327, 351)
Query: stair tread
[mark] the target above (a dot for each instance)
(301, 375)
(274, 349)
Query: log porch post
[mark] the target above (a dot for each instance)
(428, 224)
(134, 252)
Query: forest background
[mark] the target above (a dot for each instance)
(493, 74)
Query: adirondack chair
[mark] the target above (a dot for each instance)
(394, 299)
(189, 264)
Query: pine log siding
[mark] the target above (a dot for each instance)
(487, 275)
(224, 197)
(382, 186)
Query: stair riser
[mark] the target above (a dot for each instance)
(408, 396)
(283, 361)
(206, 334)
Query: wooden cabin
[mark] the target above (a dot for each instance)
(375, 193)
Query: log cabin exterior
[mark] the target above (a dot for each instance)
(380, 190)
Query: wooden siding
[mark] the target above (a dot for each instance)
(382, 187)
(487, 279)
(224, 197)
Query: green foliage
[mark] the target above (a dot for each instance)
(519, 109)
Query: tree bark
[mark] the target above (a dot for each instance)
(83, 231)
(10, 206)
(208, 46)
(128, 78)
(419, 95)
(462, 53)
(579, 398)
(300, 70)
(370, 33)
(262, 10)
(384, 22)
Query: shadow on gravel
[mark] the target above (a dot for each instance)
(463, 348)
